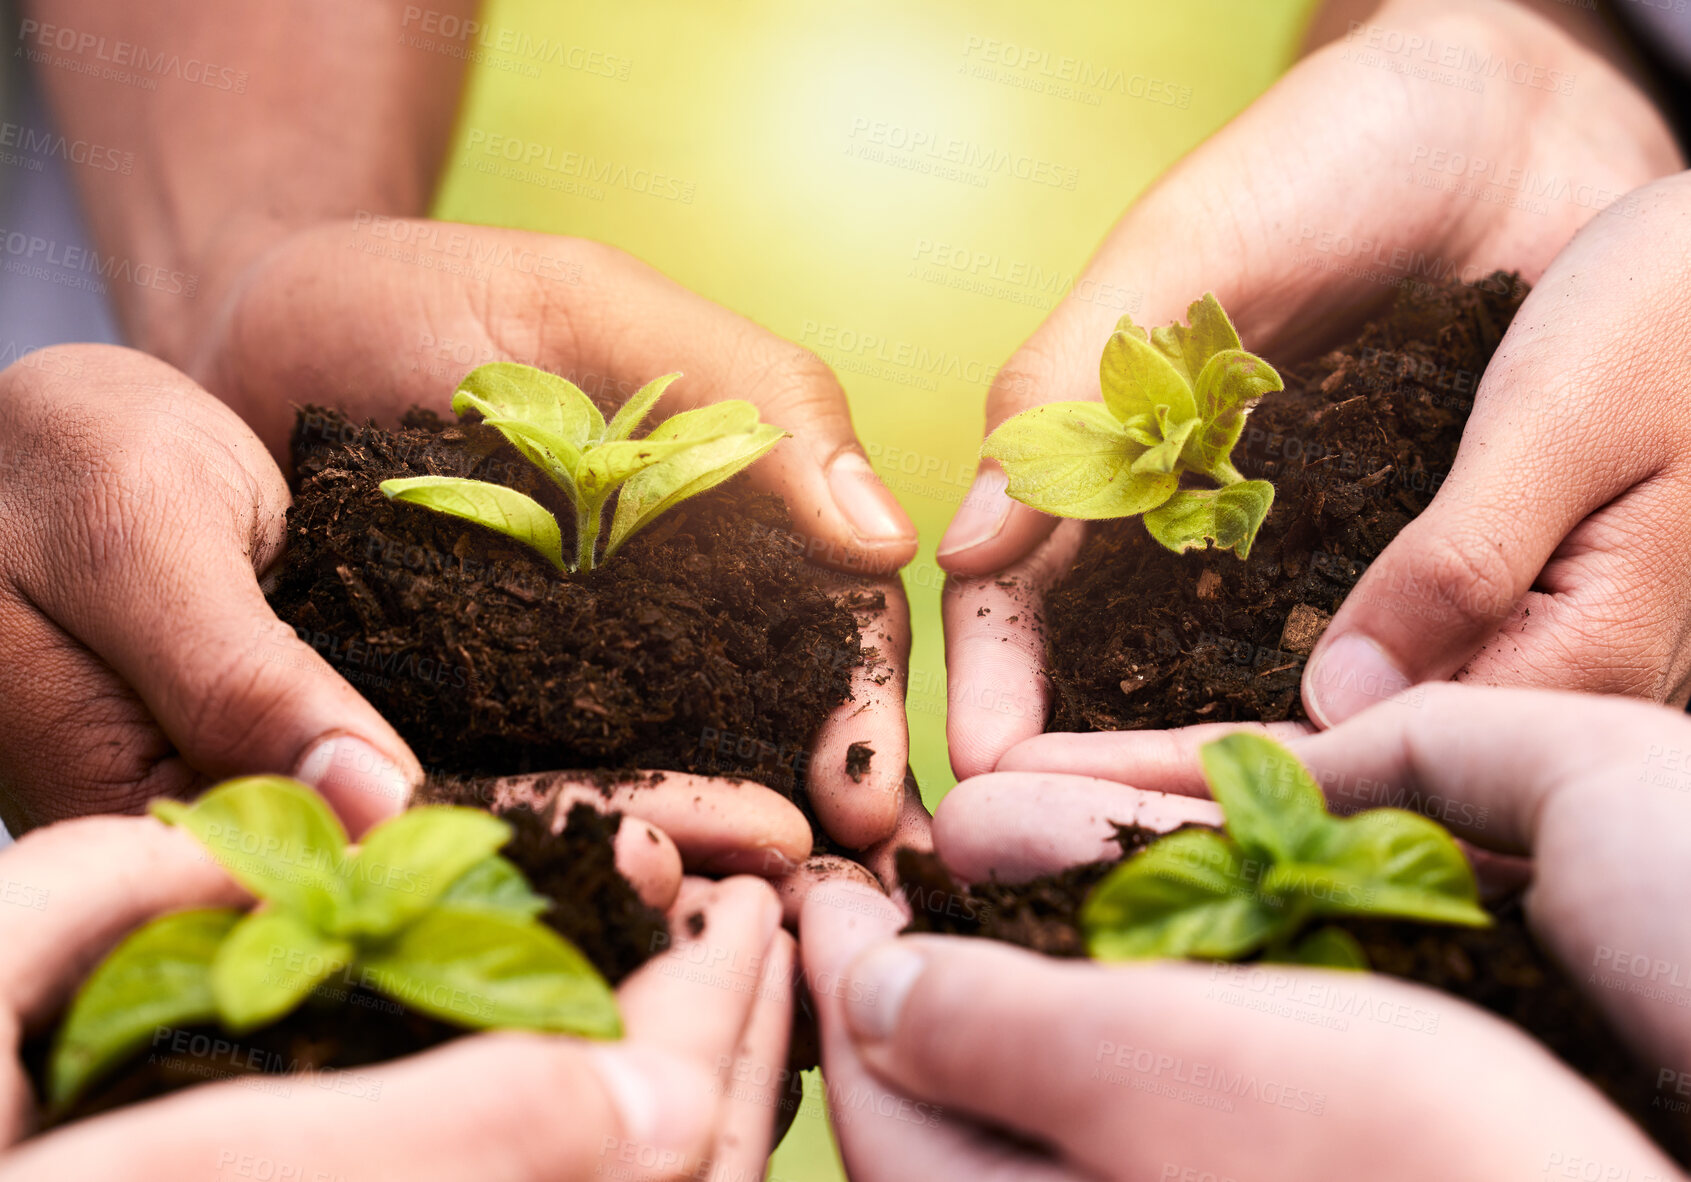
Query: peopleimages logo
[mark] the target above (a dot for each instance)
(92, 53)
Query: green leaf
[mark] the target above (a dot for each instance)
(628, 419)
(503, 510)
(1386, 862)
(1190, 349)
(1230, 517)
(1274, 808)
(409, 861)
(487, 971)
(497, 886)
(609, 464)
(547, 450)
(1162, 459)
(277, 838)
(1328, 948)
(658, 488)
(1136, 379)
(268, 964)
(159, 977)
(1231, 383)
(1073, 459)
(506, 390)
(1191, 893)
(734, 416)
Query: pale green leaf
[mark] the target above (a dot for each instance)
(1191, 893)
(735, 416)
(1231, 383)
(159, 977)
(503, 510)
(268, 964)
(1189, 349)
(1327, 948)
(633, 412)
(494, 884)
(664, 485)
(1230, 517)
(276, 837)
(606, 466)
(488, 971)
(407, 862)
(1073, 459)
(1136, 379)
(547, 450)
(1162, 459)
(506, 390)
(1274, 808)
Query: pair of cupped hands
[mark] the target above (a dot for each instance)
(139, 507)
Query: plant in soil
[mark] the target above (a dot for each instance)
(424, 911)
(1175, 402)
(1283, 862)
(557, 428)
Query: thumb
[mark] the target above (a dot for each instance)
(147, 560)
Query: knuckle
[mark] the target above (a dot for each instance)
(1464, 579)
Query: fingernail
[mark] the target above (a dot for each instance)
(981, 515)
(1350, 675)
(364, 784)
(662, 1107)
(869, 506)
(880, 981)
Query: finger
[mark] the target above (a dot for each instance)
(1459, 570)
(915, 831)
(997, 693)
(648, 859)
(562, 1110)
(856, 773)
(1607, 614)
(755, 1083)
(720, 826)
(1156, 761)
(146, 507)
(1119, 1069)
(882, 1133)
(1015, 826)
(813, 872)
(696, 996)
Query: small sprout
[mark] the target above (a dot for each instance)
(558, 429)
(1283, 861)
(1175, 402)
(423, 910)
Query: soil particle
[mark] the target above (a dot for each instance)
(858, 758)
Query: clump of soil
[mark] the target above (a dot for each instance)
(1356, 445)
(1500, 969)
(706, 645)
(345, 1025)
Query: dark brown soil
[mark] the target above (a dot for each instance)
(707, 645)
(1501, 969)
(345, 1026)
(1356, 445)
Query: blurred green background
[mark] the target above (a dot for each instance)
(774, 157)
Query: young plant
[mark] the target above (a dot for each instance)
(1283, 862)
(423, 910)
(1175, 402)
(558, 429)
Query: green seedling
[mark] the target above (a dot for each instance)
(1283, 862)
(424, 911)
(1175, 402)
(558, 429)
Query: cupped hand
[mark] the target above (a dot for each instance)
(1120, 1071)
(378, 315)
(667, 1101)
(136, 516)
(1360, 170)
